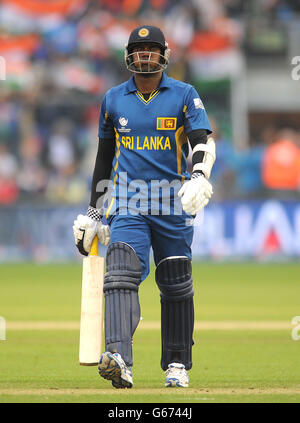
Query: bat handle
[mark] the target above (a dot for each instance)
(94, 248)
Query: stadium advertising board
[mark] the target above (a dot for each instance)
(227, 230)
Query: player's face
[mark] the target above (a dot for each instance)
(146, 56)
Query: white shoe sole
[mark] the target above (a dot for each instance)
(175, 383)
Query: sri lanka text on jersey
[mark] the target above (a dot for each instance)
(146, 143)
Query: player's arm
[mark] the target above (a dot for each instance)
(196, 193)
(101, 176)
(87, 227)
(203, 152)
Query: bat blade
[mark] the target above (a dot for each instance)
(91, 321)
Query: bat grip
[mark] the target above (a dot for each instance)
(94, 247)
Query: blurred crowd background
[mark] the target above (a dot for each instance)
(61, 56)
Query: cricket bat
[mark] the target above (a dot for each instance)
(91, 320)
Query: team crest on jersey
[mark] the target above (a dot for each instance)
(166, 123)
(143, 32)
(123, 122)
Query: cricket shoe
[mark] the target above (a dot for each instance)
(112, 367)
(176, 375)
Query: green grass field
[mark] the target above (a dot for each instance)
(243, 352)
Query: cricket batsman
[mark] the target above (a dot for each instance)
(145, 126)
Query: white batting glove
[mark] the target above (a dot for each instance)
(103, 233)
(195, 194)
(102, 230)
(85, 229)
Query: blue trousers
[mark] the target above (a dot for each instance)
(168, 235)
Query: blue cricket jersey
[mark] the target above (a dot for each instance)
(151, 135)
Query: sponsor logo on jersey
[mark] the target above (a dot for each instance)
(166, 123)
(123, 122)
(198, 103)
